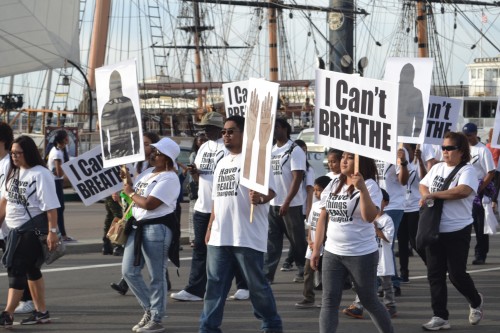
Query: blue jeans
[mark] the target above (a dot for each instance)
(396, 216)
(291, 225)
(363, 271)
(156, 240)
(198, 274)
(222, 262)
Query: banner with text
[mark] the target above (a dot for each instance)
(442, 117)
(414, 78)
(235, 98)
(259, 131)
(119, 113)
(495, 138)
(90, 179)
(356, 114)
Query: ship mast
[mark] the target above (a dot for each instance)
(423, 50)
(273, 43)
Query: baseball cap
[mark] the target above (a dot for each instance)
(168, 147)
(212, 119)
(469, 128)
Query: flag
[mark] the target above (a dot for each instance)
(484, 18)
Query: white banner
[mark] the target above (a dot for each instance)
(119, 113)
(90, 179)
(235, 98)
(414, 78)
(442, 117)
(357, 115)
(495, 138)
(262, 101)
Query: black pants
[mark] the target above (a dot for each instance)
(482, 240)
(407, 234)
(449, 254)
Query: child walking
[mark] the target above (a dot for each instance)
(384, 228)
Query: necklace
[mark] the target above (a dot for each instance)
(233, 157)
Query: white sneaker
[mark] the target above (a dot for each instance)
(240, 294)
(185, 296)
(25, 307)
(476, 314)
(151, 327)
(436, 324)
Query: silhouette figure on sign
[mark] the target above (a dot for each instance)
(410, 104)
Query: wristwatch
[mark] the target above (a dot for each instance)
(405, 163)
(54, 230)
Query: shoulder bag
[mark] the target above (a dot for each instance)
(430, 216)
(117, 232)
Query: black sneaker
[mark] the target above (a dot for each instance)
(37, 318)
(6, 319)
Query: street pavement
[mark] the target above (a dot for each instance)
(80, 300)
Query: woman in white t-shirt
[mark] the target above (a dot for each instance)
(349, 206)
(28, 207)
(154, 238)
(449, 254)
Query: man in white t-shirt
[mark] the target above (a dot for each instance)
(202, 171)
(482, 161)
(285, 214)
(234, 242)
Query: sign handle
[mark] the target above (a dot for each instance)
(356, 163)
(400, 146)
(251, 212)
(126, 173)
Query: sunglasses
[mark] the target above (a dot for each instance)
(156, 152)
(449, 148)
(229, 131)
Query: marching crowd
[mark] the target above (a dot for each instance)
(354, 214)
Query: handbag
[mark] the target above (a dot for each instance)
(116, 233)
(430, 216)
(490, 220)
(51, 256)
(318, 282)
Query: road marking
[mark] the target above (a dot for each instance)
(470, 272)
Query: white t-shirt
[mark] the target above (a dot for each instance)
(348, 234)
(312, 221)
(231, 200)
(481, 159)
(55, 154)
(4, 169)
(388, 180)
(308, 181)
(332, 175)
(164, 186)
(283, 163)
(457, 214)
(431, 151)
(412, 190)
(385, 259)
(209, 154)
(36, 188)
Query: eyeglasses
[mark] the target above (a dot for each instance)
(449, 148)
(228, 131)
(16, 153)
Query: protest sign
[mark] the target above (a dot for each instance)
(119, 114)
(90, 179)
(442, 116)
(414, 77)
(495, 138)
(235, 98)
(356, 114)
(258, 139)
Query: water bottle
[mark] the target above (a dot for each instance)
(429, 202)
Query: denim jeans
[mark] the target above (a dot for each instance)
(222, 261)
(363, 272)
(155, 243)
(291, 225)
(198, 274)
(396, 216)
(449, 255)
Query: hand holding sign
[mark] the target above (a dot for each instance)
(266, 123)
(250, 127)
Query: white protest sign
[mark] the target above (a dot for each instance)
(119, 113)
(495, 138)
(259, 131)
(90, 179)
(356, 114)
(414, 77)
(235, 98)
(442, 116)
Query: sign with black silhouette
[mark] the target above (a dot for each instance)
(235, 98)
(414, 77)
(356, 114)
(261, 108)
(442, 117)
(495, 138)
(72, 147)
(119, 114)
(90, 179)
